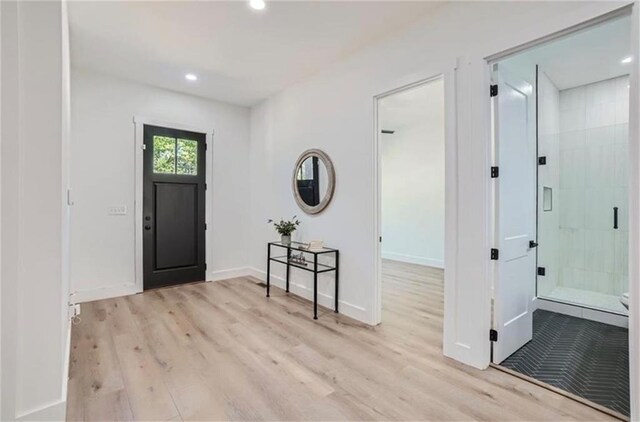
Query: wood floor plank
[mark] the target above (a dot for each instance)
(223, 351)
(112, 406)
(148, 395)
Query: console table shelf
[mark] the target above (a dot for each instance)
(313, 266)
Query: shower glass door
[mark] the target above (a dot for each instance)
(582, 193)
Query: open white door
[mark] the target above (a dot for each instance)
(515, 194)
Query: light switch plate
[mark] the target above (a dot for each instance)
(117, 210)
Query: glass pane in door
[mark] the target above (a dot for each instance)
(582, 193)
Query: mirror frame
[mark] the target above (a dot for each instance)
(331, 175)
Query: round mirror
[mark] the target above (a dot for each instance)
(313, 181)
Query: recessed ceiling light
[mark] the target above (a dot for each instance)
(257, 4)
(191, 77)
(626, 60)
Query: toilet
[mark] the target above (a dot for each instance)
(625, 300)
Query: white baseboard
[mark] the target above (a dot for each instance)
(346, 308)
(103, 293)
(584, 313)
(56, 411)
(131, 289)
(411, 259)
(226, 274)
(349, 309)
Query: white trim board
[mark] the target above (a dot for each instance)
(325, 300)
(139, 122)
(634, 218)
(55, 411)
(83, 296)
(582, 312)
(412, 259)
(228, 274)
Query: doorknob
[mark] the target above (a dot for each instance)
(147, 227)
(532, 244)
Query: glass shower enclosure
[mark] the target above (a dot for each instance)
(583, 193)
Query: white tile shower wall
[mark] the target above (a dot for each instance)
(549, 176)
(593, 179)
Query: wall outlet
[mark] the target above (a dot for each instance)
(117, 210)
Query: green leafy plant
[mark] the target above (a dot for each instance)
(285, 227)
(175, 156)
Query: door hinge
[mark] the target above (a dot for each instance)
(542, 161)
(493, 335)
(380, 239)
(494, 254)
(495, 171)
(541, 271)
(205, 186)
(144, 147)
(206, 147)
(493, 90)
(205, 226)
(205, 266)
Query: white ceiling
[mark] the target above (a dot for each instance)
(588, 56)
(240, 55)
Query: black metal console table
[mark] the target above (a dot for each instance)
(316, 267)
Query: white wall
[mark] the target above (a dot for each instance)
(413, 175)
(102, 174)
(334, 111)
(35, 325)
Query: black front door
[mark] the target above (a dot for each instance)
(174, 206)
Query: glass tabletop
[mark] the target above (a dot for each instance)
(301, 246)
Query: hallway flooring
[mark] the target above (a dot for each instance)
(222, 351)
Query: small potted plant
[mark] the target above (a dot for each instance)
(285, 228)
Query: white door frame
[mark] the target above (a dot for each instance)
(450, 232)
(634, 179)
(139, 122)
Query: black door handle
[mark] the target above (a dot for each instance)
(147, 227)
(615, 217)
(532, 244)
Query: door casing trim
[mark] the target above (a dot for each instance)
(138, 123)
(630, 9)
(446, 73)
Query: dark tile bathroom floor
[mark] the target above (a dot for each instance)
(586, 358)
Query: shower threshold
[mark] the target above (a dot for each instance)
(586, 298)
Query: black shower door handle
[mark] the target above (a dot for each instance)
(615, 217)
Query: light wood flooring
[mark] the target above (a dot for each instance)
(222, 351)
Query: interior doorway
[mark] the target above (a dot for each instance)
(561, 151)
(411, 147)
(173, 206)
